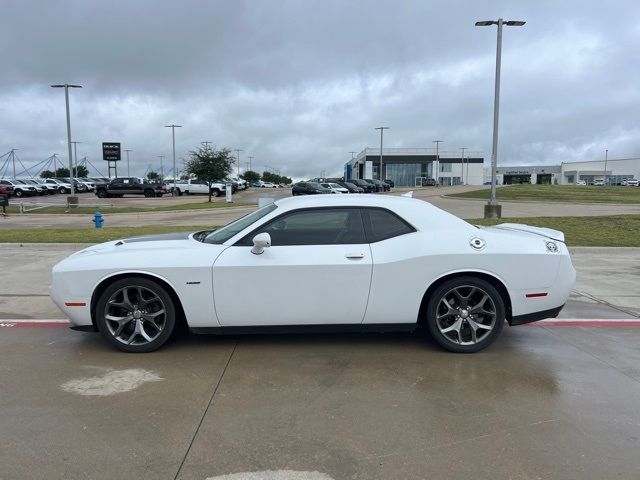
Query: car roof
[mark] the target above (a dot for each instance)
(419, 213)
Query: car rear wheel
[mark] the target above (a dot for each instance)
(465, 314)
(136, 315)
(149, 193)
(18, 193)
(62, 190)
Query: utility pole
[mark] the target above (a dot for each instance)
(206, 144)
(238, 150)
(173, 136)
(161, 157)
(437, 142)
(492, 209)
(128, 170)
(382, 129)
(66, 87)
(462, 167)
(13, 159)
(75, 154)
(606, 157)
(250, 158)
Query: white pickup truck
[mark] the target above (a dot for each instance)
(191, 187)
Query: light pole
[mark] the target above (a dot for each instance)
(437, 142)
(462, 167)
(128, 170)
(250, 158)
(382, 129)
(606, 157)
(238, 150)
(161, 157)
(75, 154)
(66, 87)
(206, 144)
(492, 209)
(173, 137)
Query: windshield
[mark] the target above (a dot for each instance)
(225, 233)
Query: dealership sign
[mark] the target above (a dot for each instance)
(111, 151)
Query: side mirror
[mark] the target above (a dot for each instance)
(260, 242)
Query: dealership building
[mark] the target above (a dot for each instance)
(407, 167)
(612, 172)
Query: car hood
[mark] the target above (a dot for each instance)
(163, 241)
(518, 227)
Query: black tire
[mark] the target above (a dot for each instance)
(179, 192)
(465, 343)
(216, 192)
(62, 191)
(169, 320)
(101, 193)
(18, 193)
(148, 193)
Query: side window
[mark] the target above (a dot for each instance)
(322, 226)
(381, 224)
(117, 182)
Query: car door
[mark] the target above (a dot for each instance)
(316, 271)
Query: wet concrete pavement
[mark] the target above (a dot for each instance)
(543, 402)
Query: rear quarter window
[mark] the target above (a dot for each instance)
(382, 224)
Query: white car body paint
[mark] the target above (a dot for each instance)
(385, 285)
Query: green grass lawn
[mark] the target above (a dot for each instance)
(611, 231)
(560, 193)
(85, 235)
(166, 208)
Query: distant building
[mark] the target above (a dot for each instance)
(616, 171)
(407, 167)
(535, 174)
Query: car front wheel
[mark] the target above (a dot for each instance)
(135, 315)
(465, 314)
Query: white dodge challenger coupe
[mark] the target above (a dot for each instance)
(385, 263)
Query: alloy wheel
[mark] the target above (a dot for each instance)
(135, 315)
(466, 315)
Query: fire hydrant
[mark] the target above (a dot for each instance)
(98, 220)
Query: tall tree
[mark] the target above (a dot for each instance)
(153, 176)
(62, 172)
(210, 165)
(47, 174)
(250, 176)
(81, 171)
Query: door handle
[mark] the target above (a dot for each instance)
(354, 256)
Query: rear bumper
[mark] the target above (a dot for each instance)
(535, 316)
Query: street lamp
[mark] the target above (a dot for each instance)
(250, 158)
(173, 136)
(606, 157)
(382, 129)
(462, 167)
(238, 150)
(66, 87)
(437, 142)
(128, 170)
(161, 157)
(75, 154)
(492, 209)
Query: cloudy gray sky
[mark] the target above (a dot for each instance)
(298, 84)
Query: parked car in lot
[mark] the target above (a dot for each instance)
(48, 188)
(20, 188)
(268, 185)
(77, 185)
(6, 189)
(308, 188)
(630, 182)
(195, 187)
(59, 185)
(366, 186)
(598, 182)
(335, 188)
(89, 184)
(431, 182)
(352, 188)
(239, 183)
(121, 186)
(343, 252)
(40, 189)
(391, 183)
(581, 182)
(379, 184)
